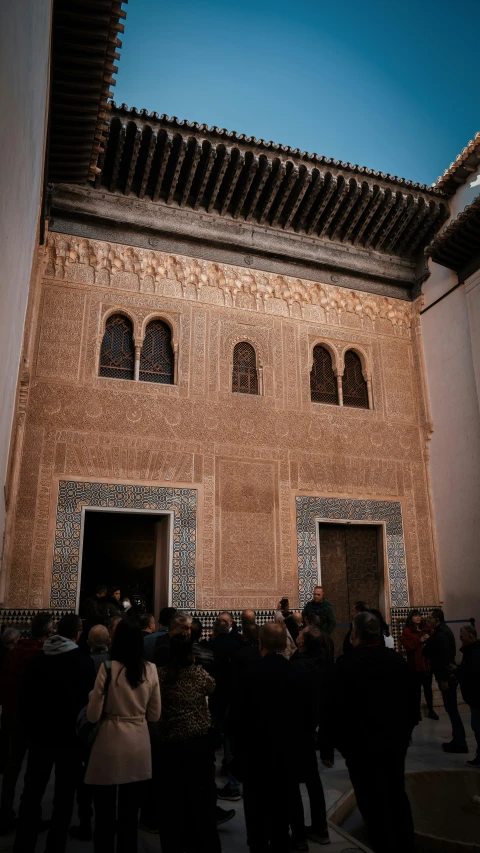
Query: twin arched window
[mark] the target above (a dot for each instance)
(117, 353)
(325, 387)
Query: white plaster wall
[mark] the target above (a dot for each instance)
(455, 443)
(24, 72)
(472, 288)
(465, 195)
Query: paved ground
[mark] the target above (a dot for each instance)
(424, 754)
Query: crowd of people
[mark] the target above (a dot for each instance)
(130, 714)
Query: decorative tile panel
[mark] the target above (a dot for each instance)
(311, 509)
(74, 496)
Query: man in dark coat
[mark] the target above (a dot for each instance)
(468, 675)
(267, 728)
(322, 608)
(440, 651)
(312, 661)
(98, 609)
(13, 672)
(54, 690)
(373, 713)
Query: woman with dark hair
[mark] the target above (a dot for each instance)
(115, 599)
(388, 640)
(415, 633)
(124, 699)
(181, 746)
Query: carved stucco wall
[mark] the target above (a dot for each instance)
(248, 457)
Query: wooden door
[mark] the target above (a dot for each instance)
(349, 569)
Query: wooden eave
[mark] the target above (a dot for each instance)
(85, 46)
(458, 245)
(186, 165)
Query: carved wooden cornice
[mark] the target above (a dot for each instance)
(107, 260)
(188, 166)
(85, 47)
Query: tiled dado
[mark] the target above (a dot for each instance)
(74, 496)
(310, 509)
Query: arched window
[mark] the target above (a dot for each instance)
(245, 375)
(323, 383)
(117, 355)
(156, 359)
(354, 386)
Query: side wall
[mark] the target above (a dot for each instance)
(24, 71)
(449, 347)
(248, 458)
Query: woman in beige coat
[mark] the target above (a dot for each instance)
(121, 754)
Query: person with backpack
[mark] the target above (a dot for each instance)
(15, 666)
(54, 690)
(125, 698)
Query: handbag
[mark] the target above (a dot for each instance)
(87, 731)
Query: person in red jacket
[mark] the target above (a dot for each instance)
(11, 678)
(414, 635)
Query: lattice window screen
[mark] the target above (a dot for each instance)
(354, 386)
(245, 374)
(117, 355)
(323, 384)
(156, 359)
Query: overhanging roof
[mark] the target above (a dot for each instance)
(458, 245)
(459, 171)
(85, 46)
(188, 166)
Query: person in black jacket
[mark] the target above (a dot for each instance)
(312, 662)
(440, 651)
(54, 690)
(322, 608)
(358, 607)
(372, 715)
(248, 652)
(267, 727)
(98, 609)
(468, 675)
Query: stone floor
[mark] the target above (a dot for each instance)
(424, 754)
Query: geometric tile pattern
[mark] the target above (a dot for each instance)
(73, 496)
(308, 509)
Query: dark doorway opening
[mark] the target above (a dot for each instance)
(350, 569)
(128, 550)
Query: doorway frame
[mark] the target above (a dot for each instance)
(128, 511)
(310, 507)
(72, 493)
(383, 584)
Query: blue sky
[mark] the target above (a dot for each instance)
(382, 83)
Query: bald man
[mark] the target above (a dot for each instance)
(99, 643)
(267, 725)
(248, 617)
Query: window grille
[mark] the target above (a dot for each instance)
(117, 355)
(354, 386)
(245, 374)
(323, 383)
(156, 359)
